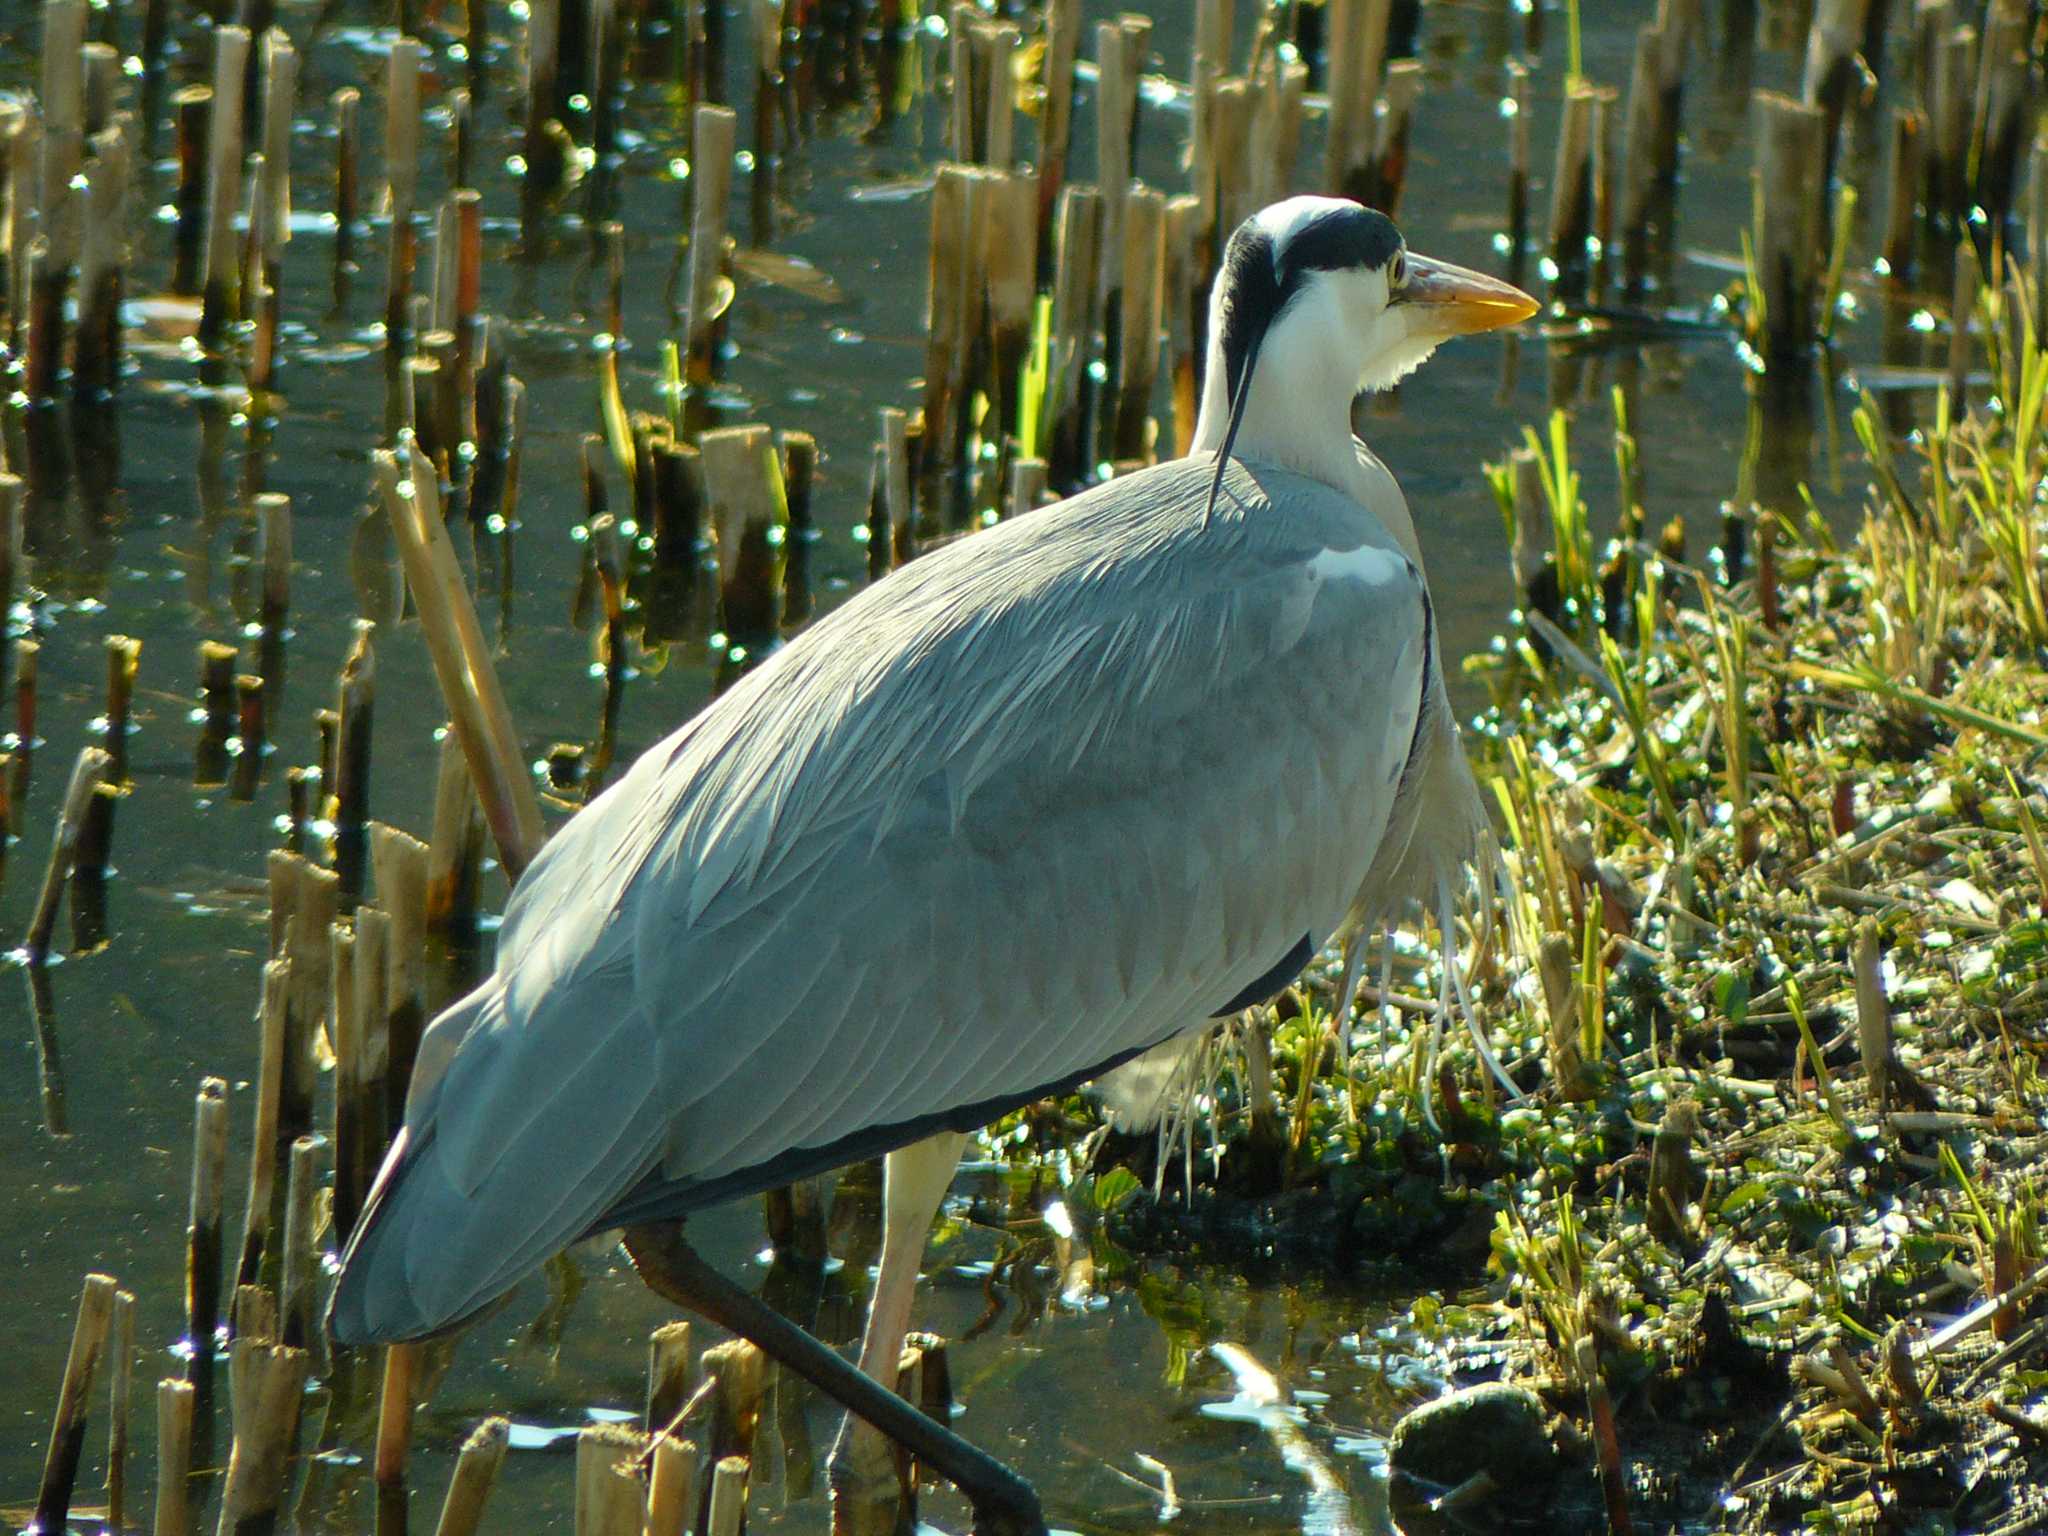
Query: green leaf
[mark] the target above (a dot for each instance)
(1116, 1188)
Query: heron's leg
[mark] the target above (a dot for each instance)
(914, 1180)
(1004, 1504)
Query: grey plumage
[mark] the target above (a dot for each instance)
(1043, 799)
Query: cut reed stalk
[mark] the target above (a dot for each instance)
(88, 880)
(1356, 50)
(1078, 248)
(269, 1385)
(395, 1407)
(1788, 190)
(346, 104)
(455, 851)
(952, 307)
(713, 130)
(1571, 194)
(609, 1498)
(727, 1511)
(124, 658)
(174, 1411)
(746, 507)
(311, 906)
(476, 1470)
(96, 358)
(251, 744)
(1055, 116)
(90, 771)
(401, 179)
(367, 1103)
(192, 111)
(1010, 275)
(67, 1428)
(1230, 130)
(256, 1217)
(218, 296)
(1138, 344)
(1182, 261)
(120, 1388)
(400, 862)
(1390, 148)
(672, 1498)
(670, 1376)
(356, 704)
(298, 1283)
(203, 1222)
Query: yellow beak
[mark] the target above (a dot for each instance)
(1460, 301)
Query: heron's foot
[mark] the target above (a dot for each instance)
(874, 1489)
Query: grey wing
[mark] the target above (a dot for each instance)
(1040, 808)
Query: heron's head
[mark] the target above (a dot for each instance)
(1319, 298)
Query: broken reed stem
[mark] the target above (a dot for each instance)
(728, 1510)
(218, 296)
(90, 771)
(356, 704)
(399, 861)
(120, 1388)
(401, 173)
(298, 1292)
(747, 509)
(395, 1414)
(269, 1384)
(251, 732)
(1356, 49)
(1902, 206)
(174, 1404)
(1138, 348)
(672, 1498)
(367, 1102)
(1571, 193)
(88, 883)
(124, 655)
(476, 1470)
(272, 1010)
(191, 108)
(347, 106)
(1788, 193)
(609, 1500)
(952, 303)
(455, 851)
(670, 1377)
(67, 1428)
(713, 130)
(305, 902)
(96, 359)
(203, 1221)
(462, 661)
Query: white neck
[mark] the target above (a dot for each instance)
(1298, 415)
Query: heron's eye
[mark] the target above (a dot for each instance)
(1397, 272)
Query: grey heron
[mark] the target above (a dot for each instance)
(1028, 811)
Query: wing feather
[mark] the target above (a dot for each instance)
(1041, 800)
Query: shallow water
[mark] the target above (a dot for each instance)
(1075, 1397)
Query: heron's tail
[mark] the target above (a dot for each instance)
(523, 1128)
(374, 1300)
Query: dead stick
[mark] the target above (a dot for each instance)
(174, 1403)
(89, 773)
(67, 1430)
